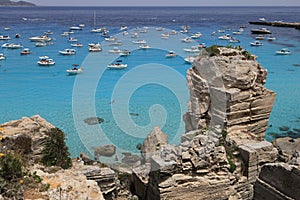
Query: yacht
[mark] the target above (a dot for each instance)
(187, 40)
(283, 51)
(193, 49)
(171, 54)
(68, 52)
(72, 39)
(145, 46)
(95, 47)
(260, 37)
(117, 65)
(271, 38)
(74, 70)
(256, 43)
(125, 53)
(115, 50)
(4, 37)
(190, 59)
(75, 28)
(43, 38)
(2, 56)
(25, 51)
(225, 37)
(261, 31)
(110, 39)
(196, 35)
(11, 46)
(77, 45)
(123, 28)
(45, 61)
(139, 42)
(40, 44)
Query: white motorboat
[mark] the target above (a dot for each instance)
(68, 52)
(117, 43)
(145, 46)
(117, 65)
(43, 38)
(65, 34)
(256, 43)
(40, 44)
(74, 70)
(77, 45)
(187, 40)
(171, 54)
(115, 50)
(11, 46)
(2, 56)
(190, 59)
(48, 32)
(45, 61)
(72, 39)
(25, 51)
(95, 47)
(139, 42)
(134, 35)
(260, 37)
(173, 32)
(283, 51)
(237, 32)
(196, 35)
(75, 28)
(123, 28)
(271, 38)
(234, 40)
(225, 37)
(110, 39)
(81, 25)
(4, 37)
(193, 49)
(160, 29)
(125, 53)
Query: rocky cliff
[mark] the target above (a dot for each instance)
(228, 90)
(223, 151)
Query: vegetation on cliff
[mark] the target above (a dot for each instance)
(55, 152)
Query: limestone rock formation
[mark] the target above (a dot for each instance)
(278, 181)
(228, 90)
(153, 142)
(70, 184)
(289, 150)
(105, 150)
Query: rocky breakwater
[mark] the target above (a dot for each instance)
(226, 88)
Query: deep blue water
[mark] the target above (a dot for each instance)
(154, 93)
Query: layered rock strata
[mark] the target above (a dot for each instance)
(228, 90)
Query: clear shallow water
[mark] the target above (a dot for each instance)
(27, 89)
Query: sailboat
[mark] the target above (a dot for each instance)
(95, 30)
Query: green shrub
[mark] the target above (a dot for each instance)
(10, 166)
(55, 152)
(213, 50)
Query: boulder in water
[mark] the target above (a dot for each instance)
(93, 120)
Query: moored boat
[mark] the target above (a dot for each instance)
(4, 37)
(43, 38)
(256, 43)
(283, 51)
(45, 61)
(68, 52)
(25, 51)
(171, 54)
(2, 56)
(74, 70)
(117, 65)
(261, 31)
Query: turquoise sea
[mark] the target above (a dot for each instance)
(151, 91)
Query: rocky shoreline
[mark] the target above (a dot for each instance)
(222, 155)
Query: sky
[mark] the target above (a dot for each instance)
(166, 2)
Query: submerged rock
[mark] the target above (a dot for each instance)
(284, 128)
(134, 114)
(105, 150)
(93, 120)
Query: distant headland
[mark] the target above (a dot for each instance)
(15, 3)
